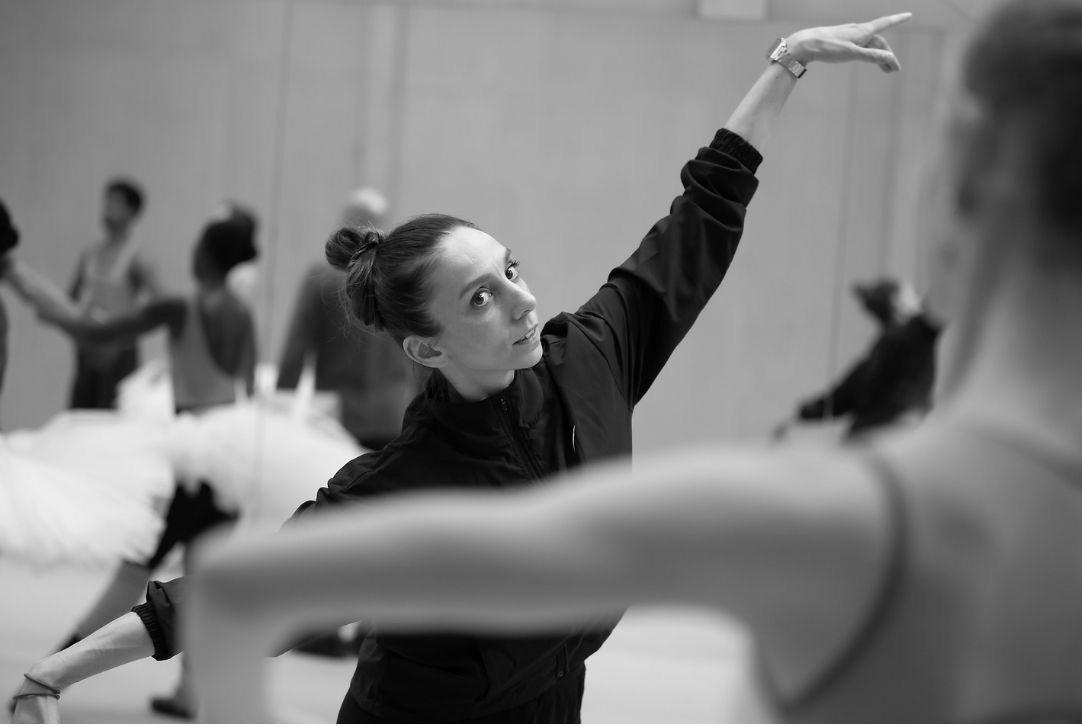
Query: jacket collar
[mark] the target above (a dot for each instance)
(524, 399)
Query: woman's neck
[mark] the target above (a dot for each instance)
(477, 387)
(1026, 370)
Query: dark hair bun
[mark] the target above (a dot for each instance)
(229, 242)
(354, 250)
(243, 216)
(9, 236)
(348, 245)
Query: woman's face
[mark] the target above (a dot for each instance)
(485, 311)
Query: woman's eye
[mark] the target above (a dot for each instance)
(481, 297)
(512, 270)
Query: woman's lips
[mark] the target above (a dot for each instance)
(530, 335)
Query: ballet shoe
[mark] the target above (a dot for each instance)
(170, 706)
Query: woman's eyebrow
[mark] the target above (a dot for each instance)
(481, 278)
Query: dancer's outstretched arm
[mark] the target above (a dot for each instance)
(742, 531)
(55, 307)
(39, 291)
(117, 643)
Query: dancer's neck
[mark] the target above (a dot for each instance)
(1026, 368)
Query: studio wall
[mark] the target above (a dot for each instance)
(559, 128)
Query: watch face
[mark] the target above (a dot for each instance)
(776, 50)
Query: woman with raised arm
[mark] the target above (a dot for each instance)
(510, 401)
(933, 575)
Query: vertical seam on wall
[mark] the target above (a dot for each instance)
(890, 184)
(842, 238)
(397, 102)
(923, 253)
(271, 241)
(361, 116)
(278, 161)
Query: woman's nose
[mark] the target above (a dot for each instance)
(524, 302)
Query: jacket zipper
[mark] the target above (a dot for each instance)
(522, 445)
(533, 466)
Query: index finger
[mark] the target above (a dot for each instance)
(887, 21)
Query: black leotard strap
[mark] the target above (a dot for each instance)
(879, 610)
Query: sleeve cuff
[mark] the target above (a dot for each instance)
(735, 146)
(145, 612)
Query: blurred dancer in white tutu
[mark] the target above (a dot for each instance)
(212, 352)
(100, 488)
(118, 471)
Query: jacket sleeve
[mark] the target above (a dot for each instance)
(348, 485)
(650, 301)
(160, 613)
(840, 399)
(165, 601)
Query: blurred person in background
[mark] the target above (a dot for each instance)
(367, 372)
(891, 384)
(112, 277)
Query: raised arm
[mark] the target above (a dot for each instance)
(754, 117)
(738, 530)
(650, 302)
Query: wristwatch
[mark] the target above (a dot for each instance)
(779, 53)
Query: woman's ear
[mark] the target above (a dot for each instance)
(424, 352)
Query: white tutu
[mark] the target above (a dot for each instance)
(259, 460)
(92, 487)
(87, 488)
(261, 457)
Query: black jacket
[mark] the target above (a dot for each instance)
(895, 377)
(573, 407)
